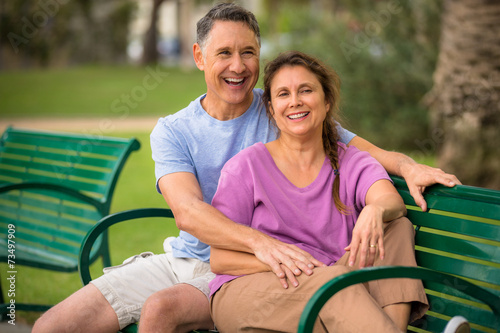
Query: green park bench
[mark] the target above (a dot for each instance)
(457, 250)
(53, 188)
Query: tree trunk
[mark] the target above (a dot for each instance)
(150, 50)
(465, 100)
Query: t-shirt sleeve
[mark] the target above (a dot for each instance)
(362, 171)
(234, 198)
(345, 136)
(168, 153)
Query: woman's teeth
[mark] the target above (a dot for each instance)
(298, 115)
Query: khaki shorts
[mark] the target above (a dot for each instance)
(127, 286)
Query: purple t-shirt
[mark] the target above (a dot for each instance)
(252, 191)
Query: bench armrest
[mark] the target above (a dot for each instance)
(313, 307)
(103, 225)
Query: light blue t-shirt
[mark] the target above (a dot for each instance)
(193, 141)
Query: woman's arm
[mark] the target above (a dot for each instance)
(383, 204)
(235, 262)
(243, 263)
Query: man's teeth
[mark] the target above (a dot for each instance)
(298, 115)
(234, 81)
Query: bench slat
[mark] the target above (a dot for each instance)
(80, 143)
(464, 247)
(455, 225)
(457, 267)
(49, 220)
(83, 214)
(24, 157)
(62, 170)
(96, 189)
(456, 205)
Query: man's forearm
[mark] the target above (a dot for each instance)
(209, 225)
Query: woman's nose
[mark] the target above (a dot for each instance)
(295, 100)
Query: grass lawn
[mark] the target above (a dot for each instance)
(105, 92)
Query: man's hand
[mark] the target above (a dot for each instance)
(285, 260)
(419, 176)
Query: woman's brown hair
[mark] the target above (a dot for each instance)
(330, 82)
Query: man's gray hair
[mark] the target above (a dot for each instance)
(225, 12)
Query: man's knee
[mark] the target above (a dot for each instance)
(86, 309)
(161, 303)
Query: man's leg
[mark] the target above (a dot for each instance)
(180, 308)
(85, 311)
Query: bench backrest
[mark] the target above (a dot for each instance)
(53, 188)
(458, 235)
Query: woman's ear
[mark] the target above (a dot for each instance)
(271, 110)
(198, 56)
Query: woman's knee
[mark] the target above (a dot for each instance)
(402, 226)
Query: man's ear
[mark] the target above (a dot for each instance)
(198, 57)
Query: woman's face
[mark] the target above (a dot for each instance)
(298, 102)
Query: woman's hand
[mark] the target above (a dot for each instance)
(383, 204)
(367, 237)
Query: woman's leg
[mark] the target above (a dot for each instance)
(258, 303)
(404, 300)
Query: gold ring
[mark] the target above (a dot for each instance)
(373, 245)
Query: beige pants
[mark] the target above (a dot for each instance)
(258, 302)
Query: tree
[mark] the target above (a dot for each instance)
(150, 50)
(465, 98)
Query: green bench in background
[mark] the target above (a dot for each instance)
(457, 249)
(53, 188)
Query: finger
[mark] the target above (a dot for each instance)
(303, 260)
(291, 277)
(381, 248)
(363, 254)
(448, 180)
(287, 262)
(372, 252)
(297, 260)
(304, 268)
(276, 268)
(354, 251)
(284, 283)
(416, 193)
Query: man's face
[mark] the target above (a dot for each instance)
(231, 64)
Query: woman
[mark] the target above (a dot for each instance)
(333, 201)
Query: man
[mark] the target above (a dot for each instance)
(169, 292)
